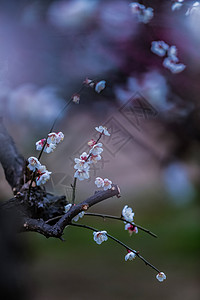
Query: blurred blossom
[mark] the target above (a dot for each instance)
(178, 184)
(153, 87)
(116, 20)
(65, 14)
(193, 21)
(33, 104)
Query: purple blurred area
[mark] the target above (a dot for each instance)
(47, 49)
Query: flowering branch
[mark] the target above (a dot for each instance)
(120, 243)
(56, 230)
(121, 219)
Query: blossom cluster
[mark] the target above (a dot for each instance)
(171, 60)
(98, 86)
(105, 183)
(42, 174)
(52, 141)
(82, 164)
(127, 215)
(143, 14)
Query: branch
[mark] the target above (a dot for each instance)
(12, 162)
(56, 230)
(123, 220)
(119, 242)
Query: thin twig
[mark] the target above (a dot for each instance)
(119, 242)
(52, 127)
(74, 190)
(121, 219)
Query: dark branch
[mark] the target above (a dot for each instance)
(56, 230)
(12, 162)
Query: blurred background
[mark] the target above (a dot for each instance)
(47, 49)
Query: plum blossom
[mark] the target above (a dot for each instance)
(67, 207)
(103, 130)
(99, 182)
(91, 143)
(94, 158)
(107, 184)
(89, 82)
(80, 215)
(142, 13)
(52, 141)
(42, 175)
(60, 137)
(33, 163)
(55, 138)
(81, 163)
(131, 228)
(130, 256)
(161, 276)
(96, 149)
(127, 213)
(172, 52)
(100, 86)
(100, 236)
(40, 144)
(82, 174)
(159, 47)
(171, 64)
(48, 147)
(177, 4)
(76, 98)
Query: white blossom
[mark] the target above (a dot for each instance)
(127, 213)
(82, 174)
(130, 256)
(172, 52)
(161, 276)
(96, 149)
(43, 175)
(177, 4)
(99, 182)
(33, 163)
(81, 164)
(40, 144)
(89, 82)
(173, 66)
(52, 138)
(100, 86)
(67, 207)
(159, 47)
(76, 98)
(142, 13)
(107, 184)
(131, 228)
(103, 130)
(80, 215)
(60, 137)
(100, 236)
(55, 138)
(146, 15)
(91, 143)
(94, 158)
